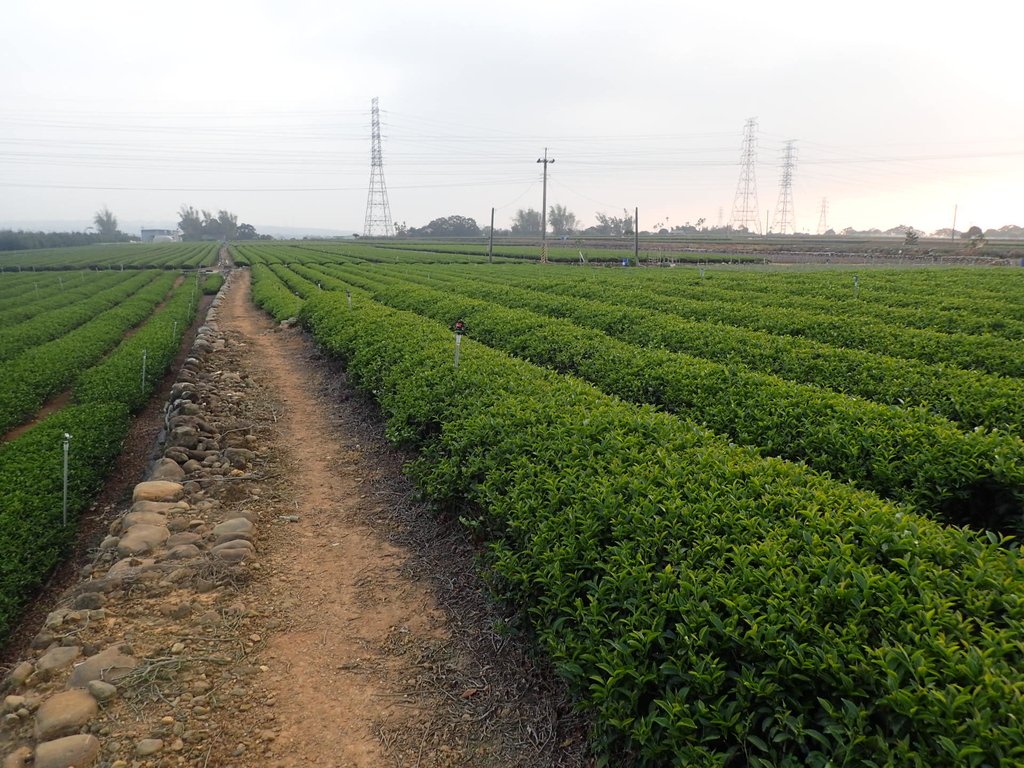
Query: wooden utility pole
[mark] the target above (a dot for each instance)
(490, 239)
(636, 235)
(544, 210)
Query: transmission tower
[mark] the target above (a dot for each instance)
(784, 216)
(378, 212)
(745, 213)
(823, 217)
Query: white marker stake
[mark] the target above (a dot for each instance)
(856, 287)
(458, 347)
(67, 445)
(143, 389)
(348, 293)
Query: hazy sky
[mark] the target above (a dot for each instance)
(900, 110)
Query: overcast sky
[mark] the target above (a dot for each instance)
(900, 110)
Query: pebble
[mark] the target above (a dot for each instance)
(148, 747)
(101, 691)
(79, 751)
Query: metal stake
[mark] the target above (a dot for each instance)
(67, 445)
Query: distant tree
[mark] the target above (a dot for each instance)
(246, 232)
(911, 238)
(448, 226)
(190, 222)
(526, 222)
(401, 229)
(612, 226)
(563, 221)
(975, 236)
(228, 224)
(106, 225)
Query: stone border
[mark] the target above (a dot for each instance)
(175, 537)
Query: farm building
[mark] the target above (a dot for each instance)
(161, 235)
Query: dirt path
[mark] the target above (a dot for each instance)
(387, 652)
(358, 633)
(340, 585)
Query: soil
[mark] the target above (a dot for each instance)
(361, 635)
(388, 651)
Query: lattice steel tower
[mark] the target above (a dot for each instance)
(785, 218)
(823, 217)
(378, 212)
(745, 214)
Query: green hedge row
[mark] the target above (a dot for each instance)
(269, 292)
(983, 353)
(213, 283)
(32, 537)
(972, 478)
(68, 311)
(27, 380)
(710, 606)
(118, 378)
(21, 300)
(971, 398)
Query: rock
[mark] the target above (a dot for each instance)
(224, 538)
(183, 552)
(179, 611)
(142, 538)
(192, 466)
(161, 507)
(94, 585)
(57, 659)
(235, 525)
(18, 676)
(179, 574)
(19, 758)
(177, 524)
(109, 665)
(110, 542)
(129, 567)
(210, 619)
(101, 691)
(142, 517)
(148, 747)
(239, 458)
(64, 714)
(234, 551)
(177, 455)
(158, 490)
(13, 703)
(184, 437)
(89, 601)
(183, 538)
(78, 751)
(167, 469)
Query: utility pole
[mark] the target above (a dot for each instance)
(636, 235)
(490, 240)
(378, 211)
(544, 210)
(952, 235)
(823, 217)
